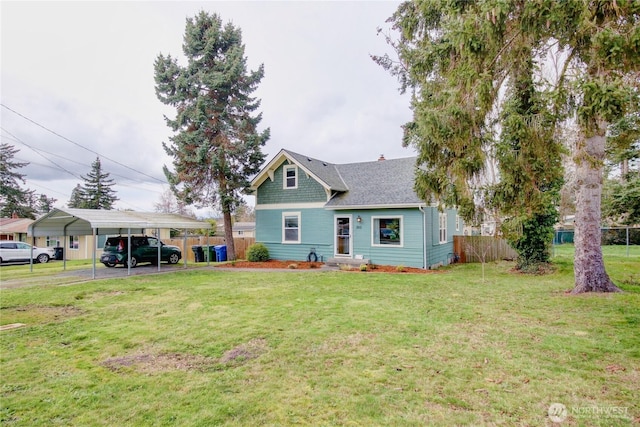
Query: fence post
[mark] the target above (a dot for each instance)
(627, 241)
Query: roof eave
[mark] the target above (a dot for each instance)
(375, 206)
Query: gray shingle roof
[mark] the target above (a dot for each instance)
(325, 171)
(377, 184)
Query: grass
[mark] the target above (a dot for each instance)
(208, 348)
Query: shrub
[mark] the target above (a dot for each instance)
(363, 267)
(257, 252)
(292, 266)
(400, 268)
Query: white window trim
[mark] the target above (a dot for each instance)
(373, 230)
(72, 238)
(458, 222)
(284, 177)
(442, 217)
(292, 242)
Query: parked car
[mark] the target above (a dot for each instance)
(14, 251)
(143, 249)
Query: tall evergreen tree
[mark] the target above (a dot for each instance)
(216, 146)
(45, 203)
(14, 200)
(77, 198)
(96, 193)
(457, 56)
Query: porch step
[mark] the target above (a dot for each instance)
(347, 261)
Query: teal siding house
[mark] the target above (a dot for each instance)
(356, 213)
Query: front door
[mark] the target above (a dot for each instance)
(343, 243)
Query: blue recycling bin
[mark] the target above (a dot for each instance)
(221, 252)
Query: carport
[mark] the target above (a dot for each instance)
(84, 222)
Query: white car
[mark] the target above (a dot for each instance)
(12, 251)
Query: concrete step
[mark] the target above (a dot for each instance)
(347, 261)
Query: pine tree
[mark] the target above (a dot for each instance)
(45, 203)
(216, 147)
(14, 200)
(96, 193)
(457, 57)
(77, 198)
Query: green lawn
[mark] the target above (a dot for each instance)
(201, 347)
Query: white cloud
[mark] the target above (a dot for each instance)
(85, 71)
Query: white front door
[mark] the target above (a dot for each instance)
(343, 241)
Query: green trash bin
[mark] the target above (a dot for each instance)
(210, 253)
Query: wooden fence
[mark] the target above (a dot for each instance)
(241, 245)
(482, 248)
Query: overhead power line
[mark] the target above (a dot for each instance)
(80, 145)
(38, 153)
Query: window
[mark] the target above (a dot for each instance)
(74, 242)
(458, 223)
(51, 242)
(443, 228)
(291, 227)
(387, 231)
(290, 173)
(101, 239)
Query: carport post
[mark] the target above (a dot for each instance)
(95, 243)
(159, 247)
(129, 251)
(33, 243)
(184, 245)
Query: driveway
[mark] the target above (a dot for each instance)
(69, 277)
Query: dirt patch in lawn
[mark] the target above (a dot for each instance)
(244, 352)
(153, 363)
(150, 363)
(304, 265)
(38, 314)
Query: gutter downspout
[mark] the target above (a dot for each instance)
(424, 236)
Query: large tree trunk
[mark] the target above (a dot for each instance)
(590, 274)
(228, 235)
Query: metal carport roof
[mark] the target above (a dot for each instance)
(82, 222)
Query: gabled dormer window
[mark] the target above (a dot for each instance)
(290, 173)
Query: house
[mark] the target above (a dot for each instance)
(14, 228)
(353, 213)
(244, 229)
(239, 229)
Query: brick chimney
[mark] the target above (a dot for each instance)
(381, 158)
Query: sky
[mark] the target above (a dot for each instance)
(77, 83)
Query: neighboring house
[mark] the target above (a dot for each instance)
(239, 229)
(14, 228)
(350, 213)
(244, 229)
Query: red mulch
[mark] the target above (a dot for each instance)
(303, 265)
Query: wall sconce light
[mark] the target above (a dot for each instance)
(359, 219)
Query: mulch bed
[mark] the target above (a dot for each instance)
(304, 265)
